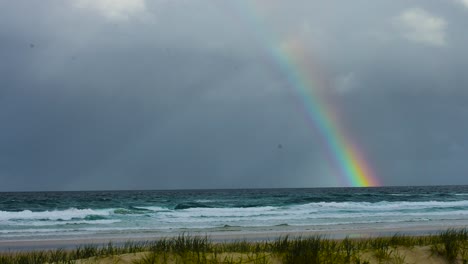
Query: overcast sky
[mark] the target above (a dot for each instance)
(157, 94)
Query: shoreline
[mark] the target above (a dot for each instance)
(18, 245)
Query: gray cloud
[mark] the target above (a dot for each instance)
(419, 26)
(114, 10)
(464, 2)
(185, 94)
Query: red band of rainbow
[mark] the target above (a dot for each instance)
(291, 57)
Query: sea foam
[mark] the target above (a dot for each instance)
(67, 214)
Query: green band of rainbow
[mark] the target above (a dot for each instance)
(348, 160)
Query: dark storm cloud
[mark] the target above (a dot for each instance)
(176, 94)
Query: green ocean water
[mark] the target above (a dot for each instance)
(55, 215)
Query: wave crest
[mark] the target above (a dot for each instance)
(56, 215)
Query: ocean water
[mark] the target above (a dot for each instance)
(58, 215)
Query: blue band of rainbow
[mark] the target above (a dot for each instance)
(291, 57)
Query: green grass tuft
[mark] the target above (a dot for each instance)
(452, 244)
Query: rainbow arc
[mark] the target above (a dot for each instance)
(348, 159)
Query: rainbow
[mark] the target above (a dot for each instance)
(348, 160)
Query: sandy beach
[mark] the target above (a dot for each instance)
(405, 255)
(371, 246)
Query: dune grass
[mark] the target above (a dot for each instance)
(451, 245)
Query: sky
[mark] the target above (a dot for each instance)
(139, 94)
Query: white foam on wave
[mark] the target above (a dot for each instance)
(383, 206)
(203, 201)
(305, 217)
(152, 208)
(62, 223)
(68, 214)
(321, 210)
(322, 213)
(310, 210)
(220, 212)
(160, 218)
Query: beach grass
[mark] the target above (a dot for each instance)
(449, 246)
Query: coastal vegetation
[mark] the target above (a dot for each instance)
(450, 246)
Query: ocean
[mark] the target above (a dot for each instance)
(102, 214)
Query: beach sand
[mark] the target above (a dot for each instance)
(400, 255)
(371, 246)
